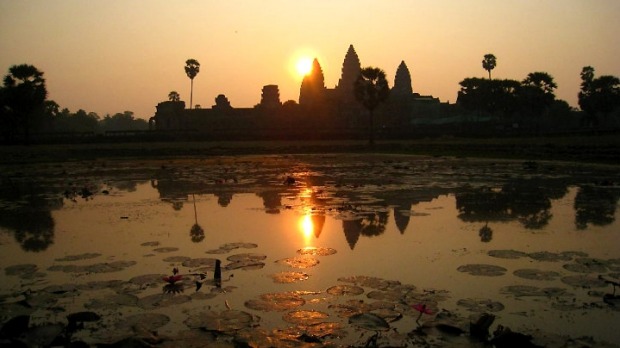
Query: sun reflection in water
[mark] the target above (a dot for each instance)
(306, 226)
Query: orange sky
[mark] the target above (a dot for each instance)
(109, 56)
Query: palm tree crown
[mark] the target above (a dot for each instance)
(192, 68)
(489, 63)
(371, 88)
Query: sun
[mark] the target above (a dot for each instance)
(304, 66)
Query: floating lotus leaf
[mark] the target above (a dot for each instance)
(246, 265)
(100, 284)
(536, 274)
(549, 256)
(280, 301)
(483, 270)
(324, 329)
(587, 265)
(217, 251)
(42, 336)
(340, 290)
(246, 257)
(299, 262)
(573, 254)
(79, 257)
(149, 321)
(20, 269)
(388, 314)
(112, 302)
(480, 305)
(391, 295)
(15, 326)
(177, 259)
(162, 300)
(316, 251)
(506, 254)
(83, 317)
(289, 277)
(200, 262)
(532, 291)
(304, 317)
(61, 289)
(115, 266)
(165, 249)
(371, 282)
(150, 244)
(232, 246)
(584, 281)
(225, 321)
(369, 321)
(147, 279)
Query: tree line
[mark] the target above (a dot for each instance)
(26, 111)
(532, 100)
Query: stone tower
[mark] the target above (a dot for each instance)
(312, 90)
(270, 97)
(402, 82)
(351, 68)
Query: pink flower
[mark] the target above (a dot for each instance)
(173, 278)
(422, 309)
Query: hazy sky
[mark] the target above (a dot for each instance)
(109, 56)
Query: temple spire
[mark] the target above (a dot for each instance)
(402, 81)
(351, 68)
(312, 89)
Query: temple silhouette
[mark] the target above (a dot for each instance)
(321, 113)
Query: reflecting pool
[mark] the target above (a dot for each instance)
(338, 250)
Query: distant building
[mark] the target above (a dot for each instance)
(322, 113)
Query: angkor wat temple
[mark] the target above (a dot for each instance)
(322, 113)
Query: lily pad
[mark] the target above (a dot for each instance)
(299, 262)
(536, 274)
(316, 251)
(584, 281)
(149, 321)
(369, 321)
(506, 254)
(150, 244)
(532, 291)
(246, 257)
(483, 270)
(147, 279)
(549, 256)
(587, 265)
(305, 317)
(166, 249)
(371, 282)
(280, 301)
(225, 321)
(84, 256)
(246, 265)
(20, 269)
(177, 259)
(289, 277)
(480, 305)
(340, 290)
(200, 262)
(162, 300)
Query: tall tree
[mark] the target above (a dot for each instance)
(489, 63)
(600, 95)
(23, 97)
(192, 68)
(371, 89)
(537, 93)
(174, 96)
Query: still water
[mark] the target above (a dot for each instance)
(306, 243)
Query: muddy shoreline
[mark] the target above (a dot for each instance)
(586, 149)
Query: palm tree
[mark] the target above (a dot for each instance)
(371, 88)
(174, 96)
(489, 63)
(192, 68)
(197, 233)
